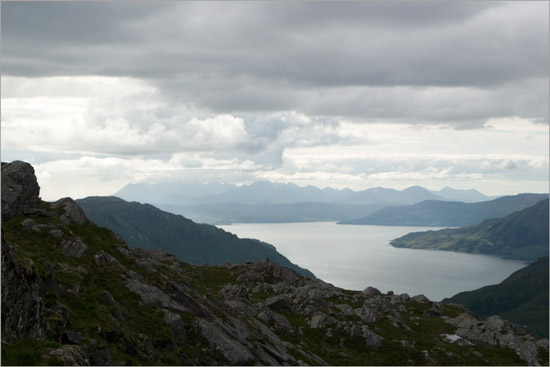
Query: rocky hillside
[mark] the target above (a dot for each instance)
(522, 298)
(75, 294)
(147, 227)
(522, 235)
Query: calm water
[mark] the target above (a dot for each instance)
(354, 257)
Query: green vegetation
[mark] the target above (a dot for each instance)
(521, 298)
(26, 352)
(144, 226)
(421, 344)
(522, 235)
(82, 281)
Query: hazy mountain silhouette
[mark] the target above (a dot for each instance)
(448, 213)
(265, 201)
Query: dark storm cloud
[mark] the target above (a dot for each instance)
(239, 57)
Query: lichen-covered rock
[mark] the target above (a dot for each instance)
(56, 233)
(152, 295)
(321, 321)
(542, 343)
(21, 301)
(101, 357)
(103, 258)
(312, 296)
(345, 309)
(372, 339)
(234, 353)
(233, 291)
(72, 337)
(420, 298)
(280, 322)
(30, 224)
(106, 298)
(73, 247)
(20, 189)
(432, 312)
(371, 292)
(367, 314)
(176, 325)
(404, 297)
(69, 355)
(251, 276)
(73, 212)
(278, 348)
(280, 303)
(497, 332)
(180, 295)
(257, 272)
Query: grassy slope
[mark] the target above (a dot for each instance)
(87, 314)
(521, 235)
(144, 226)
(521, 298)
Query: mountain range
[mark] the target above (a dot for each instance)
(521, 298)
(74, 293)
(276, 202)
(144, 226)
(263, 192)
(522, 235)
(448, 213)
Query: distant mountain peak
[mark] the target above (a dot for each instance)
(450, 189)
(415, 188)
(464, 195)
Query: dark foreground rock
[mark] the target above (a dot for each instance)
(20, 189)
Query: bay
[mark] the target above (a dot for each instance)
(354, 257)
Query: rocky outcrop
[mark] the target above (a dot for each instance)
(20, 189)
(69, 355)
(177, 327)
(21, 301)
(234, 353)
(73, 247)
(73, 212)
(498, 332)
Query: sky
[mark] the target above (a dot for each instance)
(349, 94)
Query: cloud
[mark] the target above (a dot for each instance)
(124, 119)
(455, 63)
(130, 118)
(88, 175)
(333, 94)
(429, 173)
(219, 132)
(508, 164)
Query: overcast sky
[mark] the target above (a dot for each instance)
(349, 94)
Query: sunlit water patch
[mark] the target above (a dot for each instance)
(354, 257)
